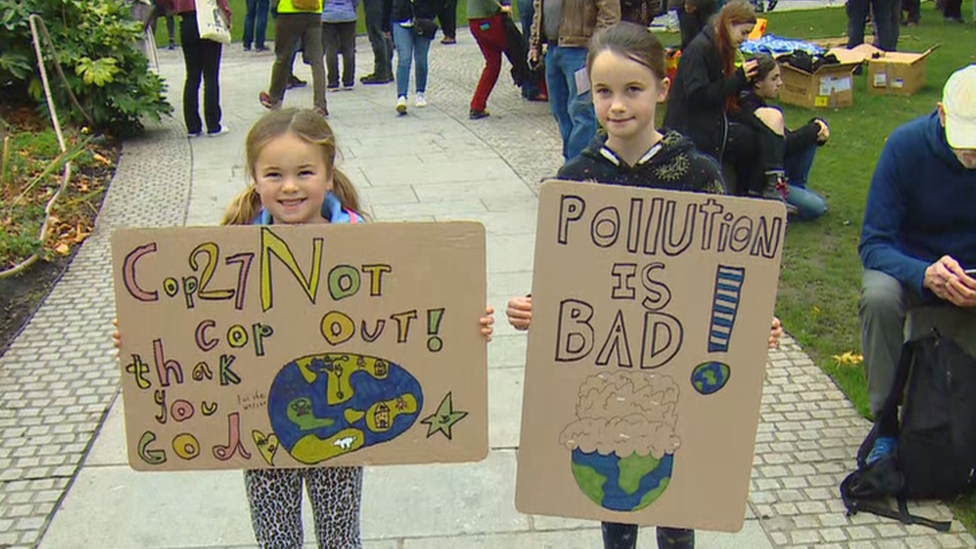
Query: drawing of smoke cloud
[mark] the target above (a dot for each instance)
(624, 440)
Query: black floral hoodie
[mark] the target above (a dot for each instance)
(671, 164)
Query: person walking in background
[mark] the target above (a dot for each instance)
(885, 14)
(412, 25)
(380, 42)
(339, 36)
(566, 26)
(447, 15)
(202, 60)
(532, 87)
(164, 8)
(256, 25)
(297, 21)
(486, 19)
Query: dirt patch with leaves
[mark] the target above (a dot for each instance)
(31, 173)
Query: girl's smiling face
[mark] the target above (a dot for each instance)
(625, 96)
(292, 178)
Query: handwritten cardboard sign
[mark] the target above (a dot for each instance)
(259, 347)
(651, 315)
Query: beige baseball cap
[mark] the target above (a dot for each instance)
(959, 103)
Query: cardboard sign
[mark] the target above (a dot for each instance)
(651, 313)
(259, 347)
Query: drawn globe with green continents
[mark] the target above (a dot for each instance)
(623, 441)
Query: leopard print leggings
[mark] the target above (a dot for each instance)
(275, 498)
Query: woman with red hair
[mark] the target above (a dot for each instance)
(703, 105)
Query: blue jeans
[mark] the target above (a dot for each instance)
(573, 111)
(409, 45)
(255, 23)
(624, 536)
(797, 165)
(526, 10)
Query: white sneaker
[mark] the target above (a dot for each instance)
(421, 101)
(223, 129)
(401, 105)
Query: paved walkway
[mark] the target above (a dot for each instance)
(64, 482)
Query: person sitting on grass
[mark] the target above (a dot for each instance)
(801, 143)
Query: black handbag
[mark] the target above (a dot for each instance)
(422, 26)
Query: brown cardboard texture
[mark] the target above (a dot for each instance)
(646, 356)
(897, 73)
(831, 86)
(294, 346)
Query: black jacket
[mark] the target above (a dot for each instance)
(405, 10)
(696, 106)
(672, 164)
(797, 140)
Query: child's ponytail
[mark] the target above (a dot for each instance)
(345, 191)
(243, 209)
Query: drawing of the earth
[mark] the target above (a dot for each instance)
(326, 405)
(627, 484)
(710, 377)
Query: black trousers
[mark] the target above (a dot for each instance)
(953, 9)
(885, 15)
(202, 58)
(624, 536)
(340, 38)
(382, 46)
(447, 15)
(913, 9)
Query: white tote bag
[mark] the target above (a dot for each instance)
(211, 22)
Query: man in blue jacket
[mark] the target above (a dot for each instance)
(919, 234)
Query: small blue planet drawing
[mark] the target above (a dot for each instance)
(710, 377)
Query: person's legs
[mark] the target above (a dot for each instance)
(210, 57)
(953, 10)
(403, 38)
(261, 25)
(490, 35)
(857, 12)
(448, 18)
(882, 313)
(559, 94)
(809, 205)
(336, 495)
(288, 27)
(275, 499)
(798, 164)
(914, 9)
(382, 46)
(330, 39)
(249, 19)
(619, 536)
(347, 45)
(312, 31)
(675, 538)
(171, 28)
(190, 40)
(580, 105)
(886, 17)
(421, 50)
(526, 10)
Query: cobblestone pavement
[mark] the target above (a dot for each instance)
(59, 377)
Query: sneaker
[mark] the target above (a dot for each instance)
(421, 101)
(401, 105)
(376, 79)
(191, 135)
(883, 446)
(296, 82)
(266, 101)
(332, 87)
(322, 111)
(247, 48)
(448, 40)
(348, 87)
(223, 129)
(261, 49)
(478, 115)
(172, 46)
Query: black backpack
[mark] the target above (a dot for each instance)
(935, 457)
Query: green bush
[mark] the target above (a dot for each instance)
(96, 43)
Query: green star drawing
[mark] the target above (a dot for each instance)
(444, 419)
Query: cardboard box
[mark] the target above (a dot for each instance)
(889, 72)
(831, 86)
(897, 73)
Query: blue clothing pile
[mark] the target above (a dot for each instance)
(775, 46)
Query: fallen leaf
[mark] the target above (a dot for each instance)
(63, 249)
(849, 359)
(101, 159)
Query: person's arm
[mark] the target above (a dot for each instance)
(535, 31)
(222, 4)
(703, 92)
(607, 13)
(802, 138)
(883, 219)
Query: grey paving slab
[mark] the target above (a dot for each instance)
(109, 447)
(507, 351)
(504, 407)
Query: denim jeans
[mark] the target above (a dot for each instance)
(573, 111)
(255, 23)
(797, 166)
(409, 45)
(624, 536)
(526, 10)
